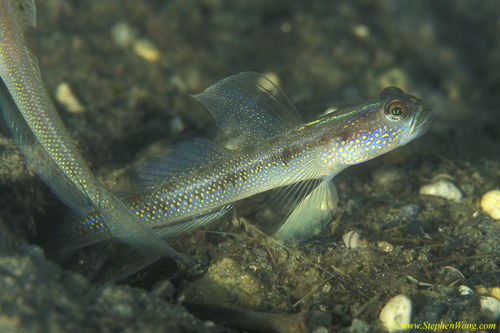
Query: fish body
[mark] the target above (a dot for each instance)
(196, 182)
(45, 142)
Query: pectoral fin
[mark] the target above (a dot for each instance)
(311, 215)
(300, 211)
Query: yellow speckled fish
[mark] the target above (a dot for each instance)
(197, 181)
(44, 141)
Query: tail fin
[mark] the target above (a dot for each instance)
(44, 141)
(118, 218)
(130, 229)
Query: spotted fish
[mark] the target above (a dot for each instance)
(197, 181)
(45, 142)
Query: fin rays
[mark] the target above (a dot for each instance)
(246, 110)
(299, 211)
(186, 225)
(185, 157)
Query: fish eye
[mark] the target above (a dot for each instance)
(396, 110)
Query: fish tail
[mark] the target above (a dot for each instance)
(125, 225)
(45, 142)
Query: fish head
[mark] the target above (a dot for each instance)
(368, 130)
(402, 115)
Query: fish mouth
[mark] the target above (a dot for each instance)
(421, 122)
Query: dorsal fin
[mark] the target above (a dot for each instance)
(184, 157)
(26, 13)
(249, 108)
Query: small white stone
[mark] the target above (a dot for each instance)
(176, 125)
(495, 292)
(385, 246)
(465, 291)
(490, 203)
(443, 189)
(65, 96)
(395, 76)
(122, 34)
(396, 314)
(409, 211)
(351, 239)
(361, 31)
(490, 306)
(286, 27)
(146, 50)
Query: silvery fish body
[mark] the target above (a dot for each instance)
(197, 181)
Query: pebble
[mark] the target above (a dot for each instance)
(228, 283)
(351, 239)
(358, 326)
(490, 306)
(396, 314)
(384, 246)
(165, 290)
(495, 292)
(449, 274)
(361, 31)
(443, 189)
(176, 125)
(146, 50)
(286, 27)
(394, 77)
(65, 96)
(122, 34)
(465, 291)
(490, 203)
(409, 211)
